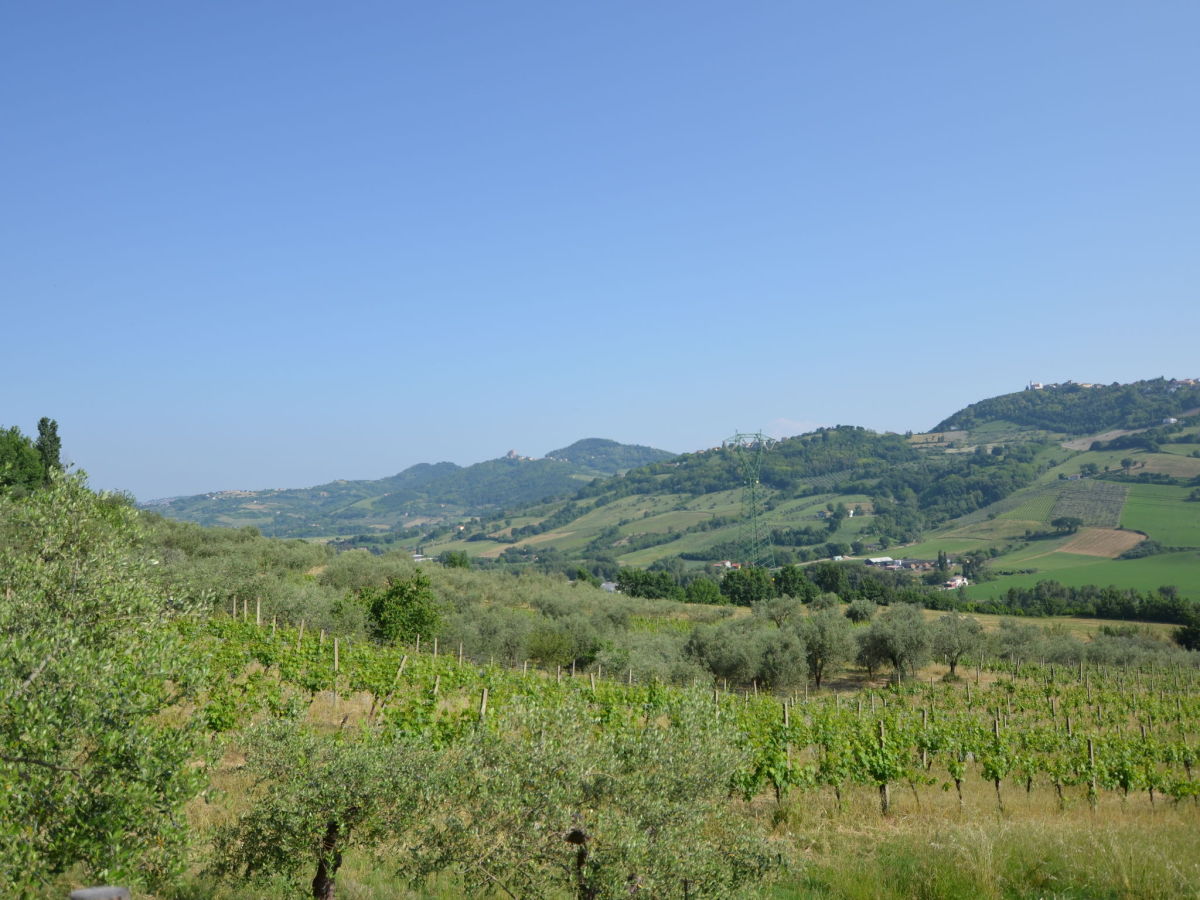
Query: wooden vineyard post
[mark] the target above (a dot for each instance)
(924, 750)
(885, 797)
(787, 726)
(483, 705)
(300, 635)
(996, 782)
(335, 655)
(258, 612)
(1091, 774)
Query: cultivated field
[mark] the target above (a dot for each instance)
(1106, 542)
(1164, 513)
(1097, 503)
(1179, 569)
(1168, 464)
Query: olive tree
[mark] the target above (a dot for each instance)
(900, 637)
(955, 636)
(315, 796)
(544, 803)
(98, 742)
(828, 642)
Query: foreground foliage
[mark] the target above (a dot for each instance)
(97, 756)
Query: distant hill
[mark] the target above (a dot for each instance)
(1072, 408)
(607, 456)
(421, 493)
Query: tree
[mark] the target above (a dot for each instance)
(829, 576)
(658, 585)
(899, 637)
(49, 446)
(827, 641)
(955, 636)
(704, 590)
(455, 559)
(1127, 464)
(860, 610)
(20, 463)
(317, 796)
(100, 726)
(544, 804)
(403, 609)
(745, 587)
(780, 610)
(1188, 636)
(790, 581)
(826, 601)
(1067, 524)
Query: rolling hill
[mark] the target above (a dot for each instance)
(422, 493)
(990, 481)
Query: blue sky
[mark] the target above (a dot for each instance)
(250, 245)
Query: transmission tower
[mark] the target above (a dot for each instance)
(749, 450)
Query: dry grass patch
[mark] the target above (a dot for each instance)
(1105, 542)
(1169, 464)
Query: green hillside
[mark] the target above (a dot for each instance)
(608, 457)
(990, 491)
(1136, 502)
(424, 492)
(1080, 408)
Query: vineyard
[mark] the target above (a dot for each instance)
(1097, 503)
(1094, 730)
(195, 743)
(1112, 742)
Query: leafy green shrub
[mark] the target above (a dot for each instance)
(100, 734)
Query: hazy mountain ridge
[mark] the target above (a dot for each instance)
(420, 492)
(608, 456)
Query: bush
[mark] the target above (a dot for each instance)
(100, 731)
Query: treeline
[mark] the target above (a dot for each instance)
(912, 490)
(1150, 440)
(789, 467)
(1079, 410)
(1049, 598)
(26, 463)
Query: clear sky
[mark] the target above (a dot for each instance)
(270, 244)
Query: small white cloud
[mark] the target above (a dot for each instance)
(781, 428)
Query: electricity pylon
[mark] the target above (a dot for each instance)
(749, 449)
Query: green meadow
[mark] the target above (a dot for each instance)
(1164, 513)
(1179, 569)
